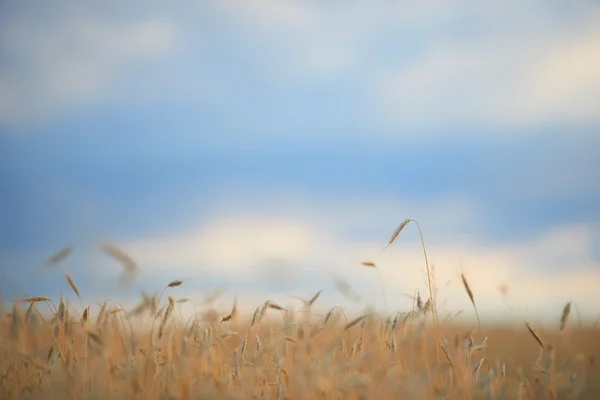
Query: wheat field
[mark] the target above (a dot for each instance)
(66, 349)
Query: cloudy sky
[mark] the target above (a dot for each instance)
(268, 147)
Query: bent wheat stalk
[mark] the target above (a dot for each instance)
(434, 313)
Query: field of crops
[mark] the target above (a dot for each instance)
(66, 349)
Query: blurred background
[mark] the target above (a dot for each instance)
(267, 148)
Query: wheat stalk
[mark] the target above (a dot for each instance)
(314, 299)
(166, 317)
(232, 313)
(73, 286)
(36, 299)
(354, 322)
(369, 264)
(397, 233)
(59, 256)
(434, 314)
(120, 256)
(535, 335)
(471, 297)
(565, 316)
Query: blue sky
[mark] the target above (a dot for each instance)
(217, 141)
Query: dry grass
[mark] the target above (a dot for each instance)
(121, 257)
(471, 297)
(371, 357)
(59, 256)
(73, 285)
(106, 352)
(565, 316)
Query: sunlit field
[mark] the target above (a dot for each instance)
(62, 348)
(207, 200)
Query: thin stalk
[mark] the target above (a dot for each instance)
(434, 313)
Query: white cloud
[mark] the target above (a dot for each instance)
(503, 80)
(238, 236)
(541, 272)
(566, 81)
(230, 245)
(295, 41)
(403, 67)
(535, 69)
(74, 60)
(288, 15)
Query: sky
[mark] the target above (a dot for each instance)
(269, 147)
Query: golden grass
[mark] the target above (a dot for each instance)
(471, 297)
(565, 316)
(73, 285)
(278, 353)
(434, 314)
(369, 357)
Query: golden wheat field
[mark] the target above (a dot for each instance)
(60, 348)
